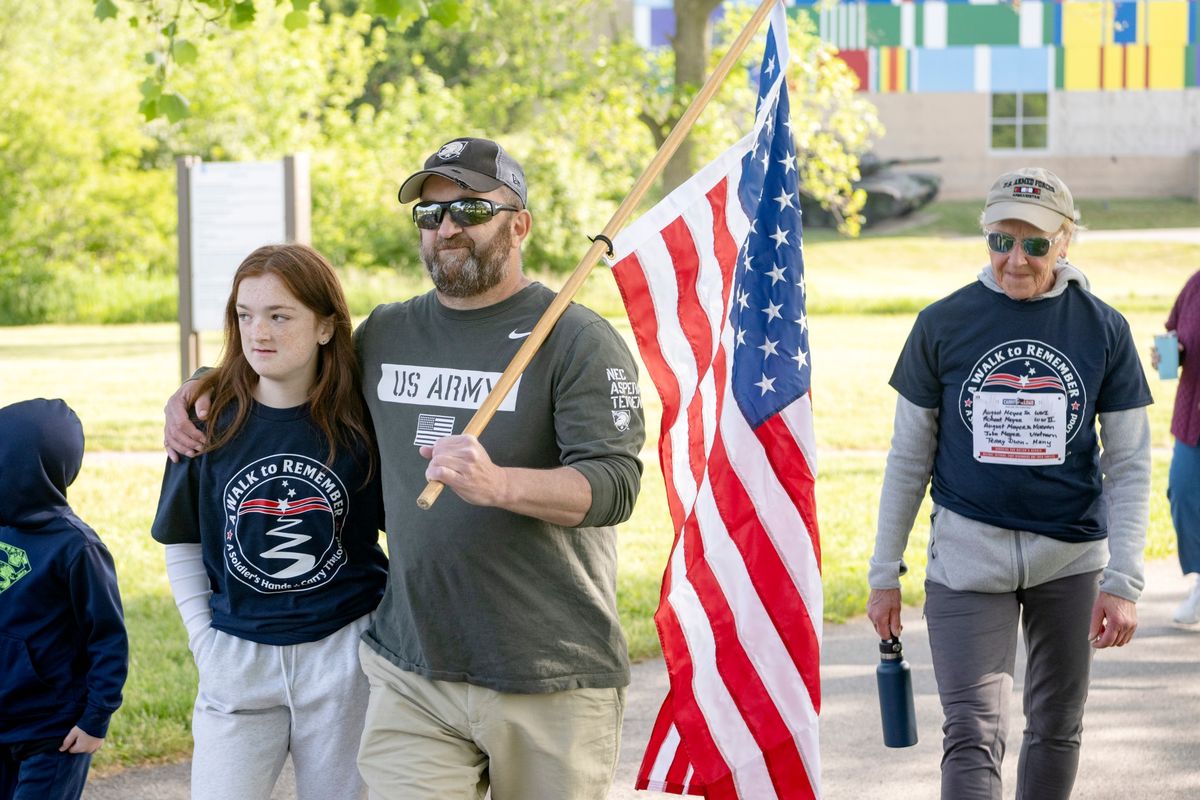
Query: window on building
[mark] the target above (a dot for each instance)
(1019, 121)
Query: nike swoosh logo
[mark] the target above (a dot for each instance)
(515, 335)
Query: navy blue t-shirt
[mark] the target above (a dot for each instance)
(291, 546)
(1072, 346)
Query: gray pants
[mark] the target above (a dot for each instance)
(258, 702)
(973, 640)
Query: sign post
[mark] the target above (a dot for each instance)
(226, 210)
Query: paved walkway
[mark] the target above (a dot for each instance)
(1141, 742)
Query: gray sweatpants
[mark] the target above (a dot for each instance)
(973, 640)
(258, 702)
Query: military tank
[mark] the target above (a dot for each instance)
(890, 192)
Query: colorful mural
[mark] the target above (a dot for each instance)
(993, 46)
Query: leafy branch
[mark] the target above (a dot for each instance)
(172, 50)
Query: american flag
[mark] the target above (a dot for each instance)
(713, 282)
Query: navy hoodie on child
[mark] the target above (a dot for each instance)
(63, 649)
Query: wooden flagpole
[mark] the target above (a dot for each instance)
(559, 304)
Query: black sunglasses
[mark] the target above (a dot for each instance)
(465, 212)
(1036, 246)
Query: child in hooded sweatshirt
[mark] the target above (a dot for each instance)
(63, 649)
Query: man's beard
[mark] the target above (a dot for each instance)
(470, 270)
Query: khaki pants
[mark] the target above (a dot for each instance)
(443, 740)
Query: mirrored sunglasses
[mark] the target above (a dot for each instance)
(465, 212)
(1036, 246)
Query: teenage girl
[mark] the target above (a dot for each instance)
(272, 539)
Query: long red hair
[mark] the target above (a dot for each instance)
(335, 400)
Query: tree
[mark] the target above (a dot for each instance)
(831, 123)
(537, 69)
(587, 88)
(87, 186)
(301, 91)
(87, 201)
(75, 201)
(559, 86)
(179, 25)
(691, 47)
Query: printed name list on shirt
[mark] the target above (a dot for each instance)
(1019, 428)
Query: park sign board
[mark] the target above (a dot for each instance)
(235, 208)
(227, 209)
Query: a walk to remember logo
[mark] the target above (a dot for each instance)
(1023, 402)
(284, 516)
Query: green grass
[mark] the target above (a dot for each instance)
(858, 276)
(961, 217)
(117, 496)
(117, 378)
(904, 274)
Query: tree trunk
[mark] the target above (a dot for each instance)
(693, 36)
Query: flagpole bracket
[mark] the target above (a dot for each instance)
(600, 237)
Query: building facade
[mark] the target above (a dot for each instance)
(1106, 93)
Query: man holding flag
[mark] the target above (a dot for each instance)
(496, 658)
(713, 279)
(724, 335)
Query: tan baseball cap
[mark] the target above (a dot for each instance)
(1033, 195)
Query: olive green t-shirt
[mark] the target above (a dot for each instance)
(479, 594)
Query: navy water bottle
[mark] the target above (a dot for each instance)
(895, 695)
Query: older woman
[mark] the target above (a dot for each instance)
(1034, 525)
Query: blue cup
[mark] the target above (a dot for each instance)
(1167, 345)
